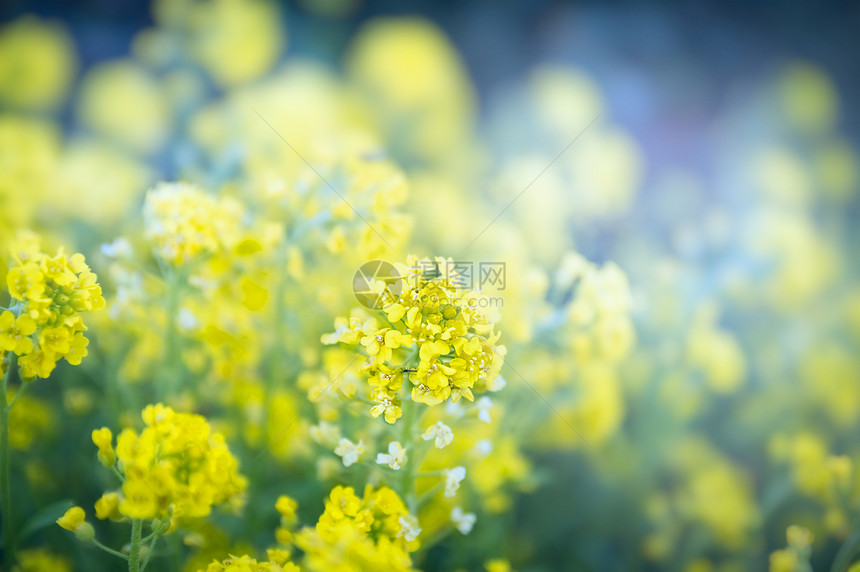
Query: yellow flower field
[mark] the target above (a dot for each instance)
(272, 300)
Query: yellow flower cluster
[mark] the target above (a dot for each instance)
(176, 467)
(794, 558)
(286, 507)
(40, 560)
(184, 223)
(375, 532)
(248, 564)
(829, 479)
(453, 346)
(49, 293)
(708, 490)
(599, 312)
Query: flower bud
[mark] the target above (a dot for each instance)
(85, 532)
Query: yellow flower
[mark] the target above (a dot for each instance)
(52, 292)
(77, 349)
(37, 364)
(498, 565)
(38, 63)
(176, 466)
(72, 519)
(106, 90)
(798, 537)
(431, 317)
(784, 561)
(138, 500)
(387, 404)
(15, 333)
(184, 223)
(26, 281)
(249, 564)
(56, 340)
(103, 439)
(40, 560)
(75, 521)
(287, 507)
(377, 526)
(236, 40)
(343, 502)
(107, 506)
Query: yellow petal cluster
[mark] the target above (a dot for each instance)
(49, 293)
(184, 223)
(248, 564)
(453, 346)
(176, 467)
(358, 534)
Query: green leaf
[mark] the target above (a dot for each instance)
(44, 517)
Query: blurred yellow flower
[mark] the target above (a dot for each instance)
(37, 63)
(123, 102)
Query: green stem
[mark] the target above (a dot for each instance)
(149, 551)
(117, 473)
(109, 550)
(428, 495)
(134, 553)
(18, 393)
(8, 528)
(407, 482)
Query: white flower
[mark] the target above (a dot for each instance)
(409, 528)
(395, 458)
(464, 521)
(454, 409)
(441, 432)
(484, 405)
(484, 447)
(119, 248)
(325, 433)
(349, 451)
(452, 480)
(186, 320)
(497, 384)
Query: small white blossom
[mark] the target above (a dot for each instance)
(326, 434)
(349, 451)
(186, 320)
(395, 458)
(484, 405)
(119, 248)
(454, 409)
(409, 528)
(484, 447)
(464, 521)
(453, 477)
(441, 432)
(496, 384)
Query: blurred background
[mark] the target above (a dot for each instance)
(710, 151)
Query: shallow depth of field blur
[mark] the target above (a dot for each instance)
(626, 334)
